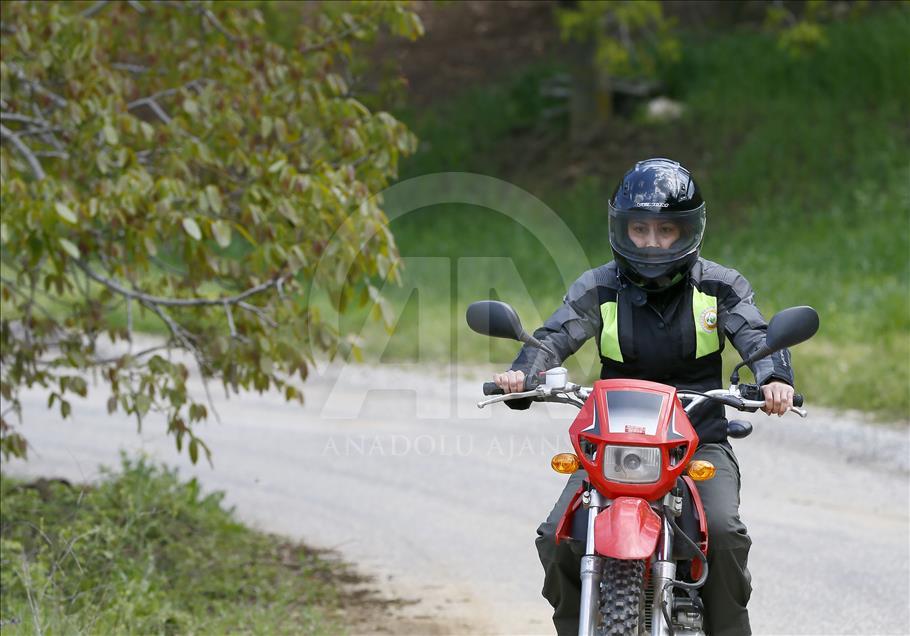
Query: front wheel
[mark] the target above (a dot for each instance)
(622, 598)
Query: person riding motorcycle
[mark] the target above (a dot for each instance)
(660, 312)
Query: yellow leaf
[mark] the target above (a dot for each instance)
(65, 213)
(69, 248)
(222, 233)
(191, 228)
(191, 107)
(110, 134)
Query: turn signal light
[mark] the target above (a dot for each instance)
(565, 463)
(700, 470)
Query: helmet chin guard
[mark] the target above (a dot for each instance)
(657, 196)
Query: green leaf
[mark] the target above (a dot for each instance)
(278, 165)
(78, 386)
(191, 107)
(65, 213)
(69, 248)
(143, 404)
(194, 450)
(150, 246)
(221, 230)
(110, 134)
(192, 228)
(214, 198)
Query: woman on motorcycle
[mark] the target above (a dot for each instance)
(660, 312)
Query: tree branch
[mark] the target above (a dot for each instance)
(318, 46)
(215, 22)
(94, 9)
(24, 150)
(177, 302)
(24, 119)
(263, 317)
(37, 86)
(130, 68)
(152, 100)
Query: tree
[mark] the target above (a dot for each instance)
(169, 163)
(617, 44)
(800, 34)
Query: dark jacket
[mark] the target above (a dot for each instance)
(657, 333)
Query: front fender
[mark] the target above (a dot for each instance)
(628, 529)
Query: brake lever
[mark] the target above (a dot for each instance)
(540, 391)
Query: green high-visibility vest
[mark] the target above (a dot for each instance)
(704, 312)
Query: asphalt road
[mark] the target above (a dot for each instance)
(398, 470)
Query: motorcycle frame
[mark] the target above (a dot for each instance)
(673, 430)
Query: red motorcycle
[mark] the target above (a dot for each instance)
(638, 510)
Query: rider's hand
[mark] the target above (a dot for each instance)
(778, 398)
(510, 381)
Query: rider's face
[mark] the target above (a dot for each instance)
(654, 233)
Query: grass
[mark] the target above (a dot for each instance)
(144, 553)
(804, 162)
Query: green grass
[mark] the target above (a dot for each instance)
(144, 553)
(805, 164)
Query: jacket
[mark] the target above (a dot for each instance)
(675, 337)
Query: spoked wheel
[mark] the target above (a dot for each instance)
(622, 599)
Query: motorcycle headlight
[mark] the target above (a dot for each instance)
(632, 464)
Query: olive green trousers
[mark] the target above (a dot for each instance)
(727, 590)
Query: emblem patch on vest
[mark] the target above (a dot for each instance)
(708, 320)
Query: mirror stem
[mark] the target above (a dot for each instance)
(531, 340)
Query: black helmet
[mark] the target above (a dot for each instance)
(657, 195)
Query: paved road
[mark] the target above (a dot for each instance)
(440, 501)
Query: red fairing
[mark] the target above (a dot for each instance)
(668, 430)
(702, 525)
(628, 529)
(564, 529)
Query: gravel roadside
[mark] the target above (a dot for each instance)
(394, 467)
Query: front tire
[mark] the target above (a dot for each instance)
(622, 598)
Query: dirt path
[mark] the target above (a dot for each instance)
(439, 501)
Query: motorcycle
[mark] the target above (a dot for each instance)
(638, 510)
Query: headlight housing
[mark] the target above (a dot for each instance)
(632, 464)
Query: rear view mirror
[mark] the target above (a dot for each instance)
(497, 319)
(494, 318)
(787, 328)
(790, 327)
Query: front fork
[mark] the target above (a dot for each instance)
(663, 572)
(591, 567)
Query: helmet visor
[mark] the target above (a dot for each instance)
(656, 237)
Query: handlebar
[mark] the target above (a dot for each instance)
(753, 392)
(744, 397)
(491, 388)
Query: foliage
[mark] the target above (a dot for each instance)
(800, 35)
(805, 164)
(168, 160)
(144, 553)
(630, 36)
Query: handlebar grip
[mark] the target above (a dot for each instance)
(797, 399)
(491, 388)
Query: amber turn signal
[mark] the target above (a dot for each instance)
(700, 470)
(565, 463)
